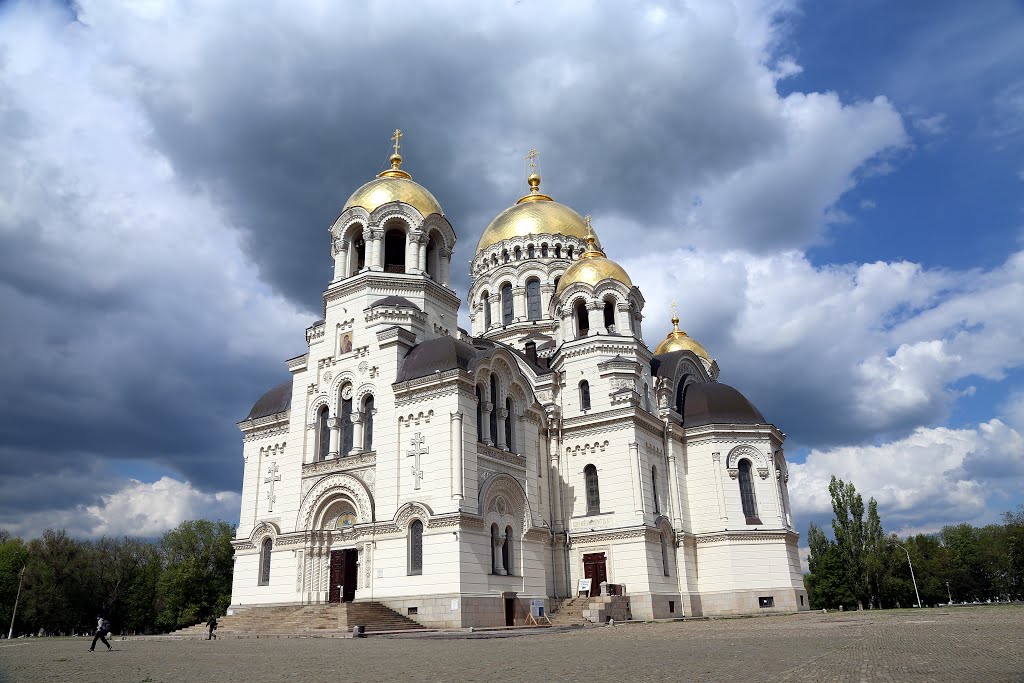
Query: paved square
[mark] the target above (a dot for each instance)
(984, 644)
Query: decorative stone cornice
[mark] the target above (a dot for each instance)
(743, 536)
(343, 464)
(298, 363)
(497, 455)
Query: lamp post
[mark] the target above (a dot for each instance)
(16, 598)
(911, 572)
(948, 594)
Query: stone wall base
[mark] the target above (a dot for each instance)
(728, 603)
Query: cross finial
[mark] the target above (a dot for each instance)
(395, 137)
(675, 314)
(532, 156)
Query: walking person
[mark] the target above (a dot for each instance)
(212, 625)
(102, 629)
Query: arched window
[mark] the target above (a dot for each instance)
(356, 250)
(368, 423)
(518, 253)
(530, 251)
(394, 251)
(265, 550)
(558, 251)
(494, 543)
(533, 299)
(569, 250)
(494, 409)
(681, 395)
(557, 278)
(509, 432)
(506, 304)
(593, 492)
(634, 320)
(582, 319)
(544, 250)
(664, 554)
(433, 261)
(486, 301)
(654, 489)
(346, 420)
(647, 397)
(584, 395)
(609, 316)
(747, 493)
(416, 547)
(506, 551)
(504, 255)
(323, 429)
(479, 414)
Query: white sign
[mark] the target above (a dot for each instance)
(584, 586)
(537, 607)
(455, 605)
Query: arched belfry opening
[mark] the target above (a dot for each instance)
(582, 318)
(394, 251)
(433, 259)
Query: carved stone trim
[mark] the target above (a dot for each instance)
(344, 464)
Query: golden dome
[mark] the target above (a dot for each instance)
(533, 214)
(394, 185)
(677, 340)
(593, 266)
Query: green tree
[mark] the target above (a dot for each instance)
(13, 556)
(850, 534)
(827, 581)
(196, 579)
(1014, 539)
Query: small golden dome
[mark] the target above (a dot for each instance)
(394, 185)
(593, 266)
(533, 214)
(677, 340)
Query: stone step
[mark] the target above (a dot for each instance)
(325, 620)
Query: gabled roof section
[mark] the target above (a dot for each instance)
(437, 355)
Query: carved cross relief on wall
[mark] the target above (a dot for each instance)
(272, 476)
(419, 448)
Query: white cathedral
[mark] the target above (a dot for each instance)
(457, 478)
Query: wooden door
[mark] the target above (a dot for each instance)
(594, 568)
(337, 575)
(351, 564)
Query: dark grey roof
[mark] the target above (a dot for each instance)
(396, 301)
(275, 401)
(666, 362)
(437, 355)
(716, 403)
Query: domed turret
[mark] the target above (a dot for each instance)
(534, 214)
(593, 266)
(677, 340)
(394, 185)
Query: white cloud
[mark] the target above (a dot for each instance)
(150, 509)
(931, 477)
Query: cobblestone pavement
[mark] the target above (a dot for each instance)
(984, 644)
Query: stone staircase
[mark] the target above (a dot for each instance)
(570, 612)
(330, 620)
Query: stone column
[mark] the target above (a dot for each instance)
(445, 259)
(622, 325)
(673, 483)
(499, 556)
(375, 245)
(335, 424)
(499, 438)
(422, 247)
(636, 470)
(412, 254)
(555, 480)
(546, 292)
(357, 432)
(456, 428)
(485, 428)
(595, 317)
(341, 263)
(716, 466)
(518, 303)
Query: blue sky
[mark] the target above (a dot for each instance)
(832, 192)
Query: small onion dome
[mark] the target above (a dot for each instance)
(592, 267)
(708, 403)
(394, 185)
(533, 214)
(677, 340)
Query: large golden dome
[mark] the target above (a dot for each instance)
(533, 214)
(677, 340)
(394, 185)
(593, 266)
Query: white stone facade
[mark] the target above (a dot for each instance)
(454, 469)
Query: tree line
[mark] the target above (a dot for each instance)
(862, 567)
(140, 586)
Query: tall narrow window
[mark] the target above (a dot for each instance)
(664, 554)
(609, 316)
(323, 429)
(558, 251)
(509, 432)
(593, 492)
(346, 420)
(504, 256)
(518, 253)
(494, 545)
(479, 414)
(416, 547)
(654, 490)
(747, 493)
(557, 278)
(533, 299)
(584, 395)
(368, 424)
(544, 251)
(494, 409)
(506, 304)
(582, 319)
(486, 301)
(530, 251)
(506, 551)
(647, 398)
(265, 551)
(681, 395)
(394, 251)
(570, 252)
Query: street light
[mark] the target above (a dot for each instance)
(16, 598)
(948, 594)
(911, 572)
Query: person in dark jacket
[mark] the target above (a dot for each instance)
(212, 625)
(102, 629)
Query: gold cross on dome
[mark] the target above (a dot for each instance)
(675, 309)
(532, 156)
(395, 137)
